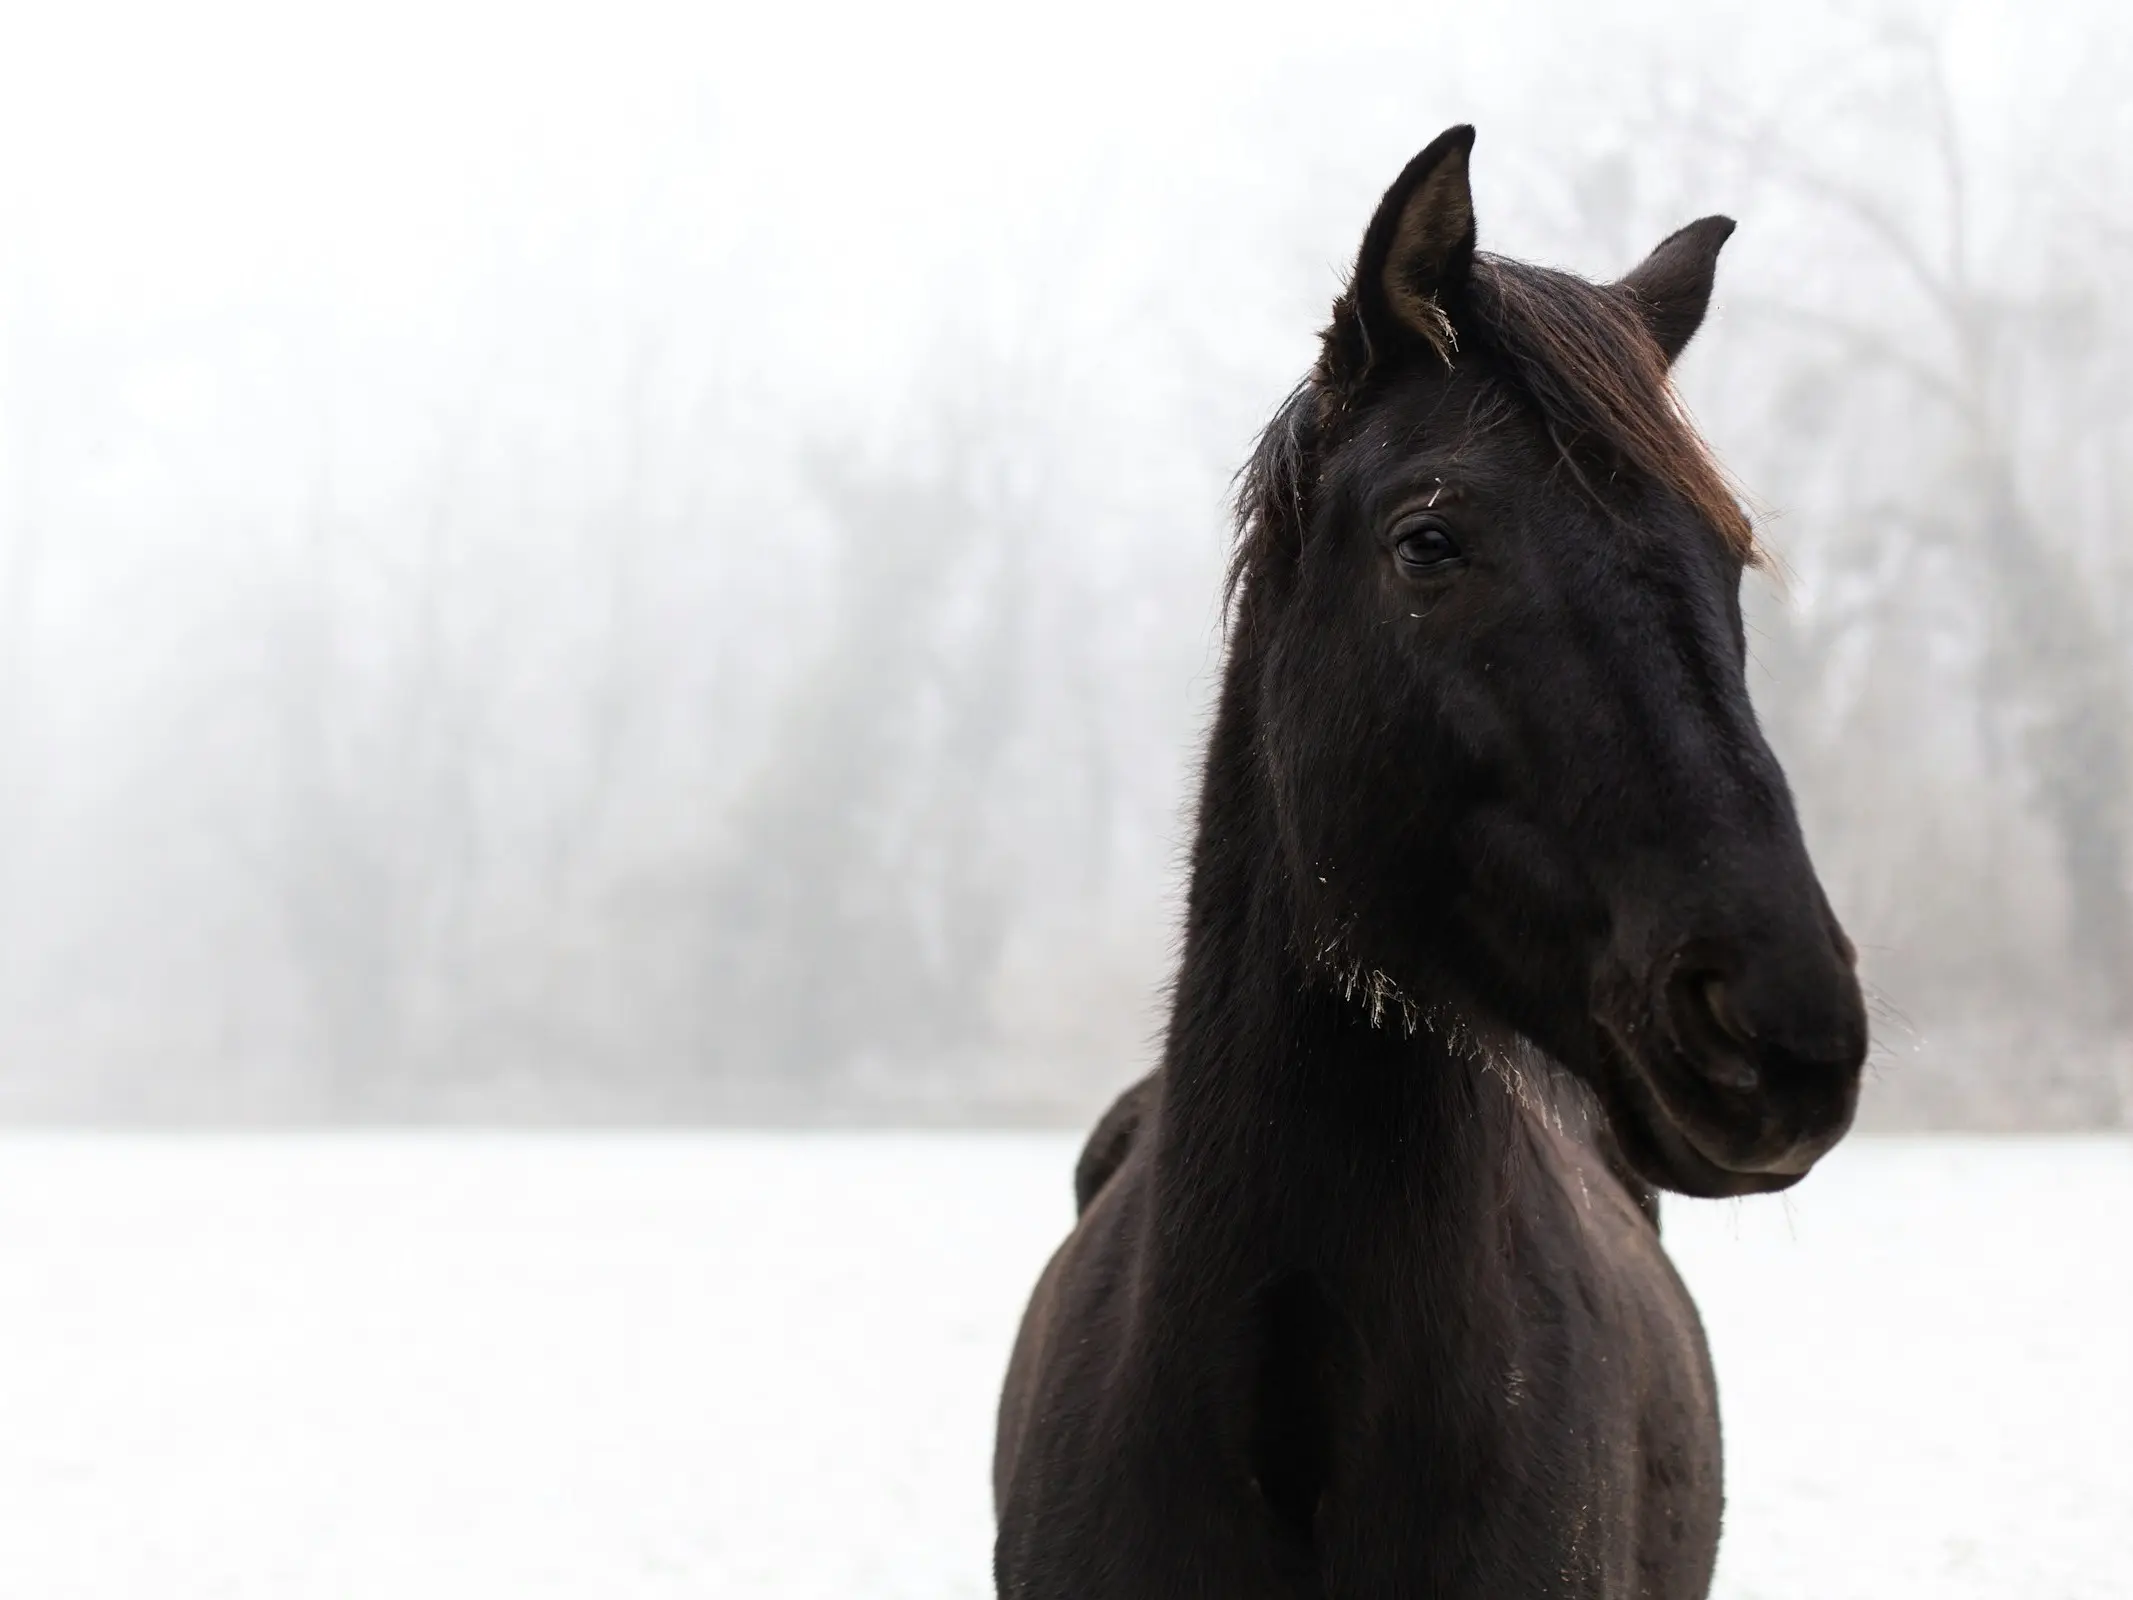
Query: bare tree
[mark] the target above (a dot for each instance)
(371, 844)
(857, 911)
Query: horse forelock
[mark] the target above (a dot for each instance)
(1584, 354)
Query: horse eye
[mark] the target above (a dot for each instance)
(1424, 544)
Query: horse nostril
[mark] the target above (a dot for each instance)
(1715, 1039)
(1715, 996)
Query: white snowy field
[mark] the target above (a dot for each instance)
(606, 1365)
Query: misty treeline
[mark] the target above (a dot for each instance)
(717, 667)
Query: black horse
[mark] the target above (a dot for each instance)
(1499, 913)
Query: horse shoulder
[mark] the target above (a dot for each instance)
(1087, 1490)
(1074, 1315)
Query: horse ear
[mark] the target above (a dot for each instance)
(1413, 263)
(1672, 287)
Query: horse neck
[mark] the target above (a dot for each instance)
(1300, 1123)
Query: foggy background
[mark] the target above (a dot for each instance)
(629, 564)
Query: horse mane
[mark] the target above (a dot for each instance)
(1587, 358)
(1580, 352)
(1269, 498)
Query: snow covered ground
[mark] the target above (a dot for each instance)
(763, 1365)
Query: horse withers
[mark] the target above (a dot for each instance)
(1499, 914)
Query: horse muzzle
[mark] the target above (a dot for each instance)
(1734, 1071)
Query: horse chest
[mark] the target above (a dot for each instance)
(1519, 1476)
(1551, 1435)
(1490, 1449)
